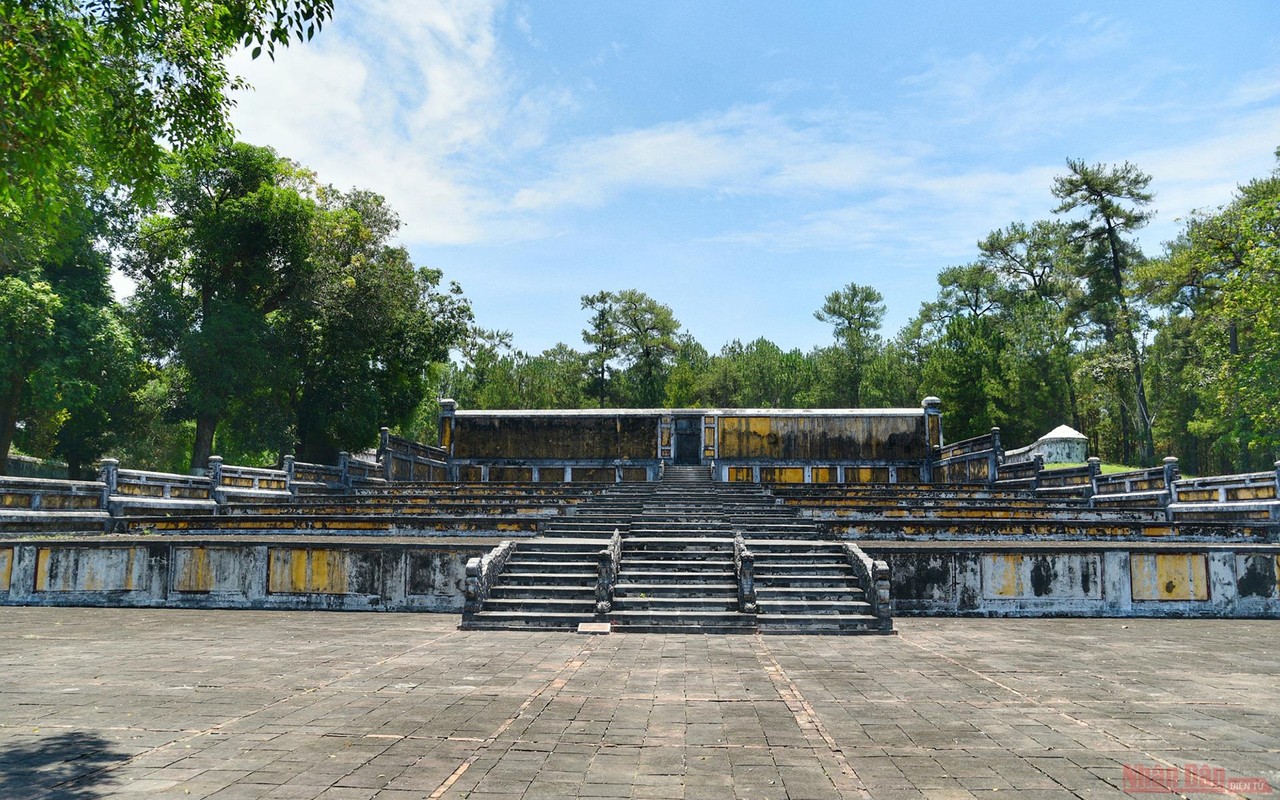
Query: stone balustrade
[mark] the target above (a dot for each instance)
(974, 460)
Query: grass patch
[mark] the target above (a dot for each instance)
(1107, 469)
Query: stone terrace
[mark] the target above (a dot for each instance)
(191, 704)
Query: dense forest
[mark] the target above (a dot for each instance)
(274, 313)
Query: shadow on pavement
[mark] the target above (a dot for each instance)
(60, 767)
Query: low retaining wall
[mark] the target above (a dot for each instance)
(216, 573)
(985, 579)
(989, 579)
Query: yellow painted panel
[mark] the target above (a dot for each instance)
(42, 569)
(759, 426)
(740, 474)
(1169, 576)
(1006, 575)
(782, 474)
(1262, 492)
(196, 574)
(823, 474)
(302, 570)
(6, 567)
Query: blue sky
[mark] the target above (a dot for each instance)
(740, 160)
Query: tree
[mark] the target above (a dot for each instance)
(215, 272)
(1218, 342)
(67, 364)
(648, 345)
(365, 327)
(855, 312)
(605, 339)
(92, 89)
(1113, 199)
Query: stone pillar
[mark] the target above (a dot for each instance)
(1035, 480)
(288, 475)
(108, 473)
(344, 461)
(448, 413)
(1171, 474)
(932, 436)
(993, 461)
(384, 454)
(1095, 469)
(214, 474)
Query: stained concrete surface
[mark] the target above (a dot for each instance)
(99, 703)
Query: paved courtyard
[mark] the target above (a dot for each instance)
(233, 704)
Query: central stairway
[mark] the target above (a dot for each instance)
(685, 544)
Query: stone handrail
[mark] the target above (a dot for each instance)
(970, 446)
(744, 564)
(480, 575)
(1229, 488)
(974, 460)
(874, 575)
(230, 482)
(144, 483)
(51, 494)
(1159, 478)
(358, 472)
(406, 460)
(1080, 478)
(305, 473)
(607, 573)
(1022, 474)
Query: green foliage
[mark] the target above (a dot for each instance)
(216, 271)
(365, 328)
(92, 88)
(282, 311)
(855, 313)
(67, 363)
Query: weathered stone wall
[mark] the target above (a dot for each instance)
(531, 436)
(1076, 579)
(253, 573)
(857, 436)
(821, 446)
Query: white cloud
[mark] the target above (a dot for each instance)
(413, 101)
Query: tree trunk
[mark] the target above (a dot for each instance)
(206, 425)
(9, 404)
(1146, 441)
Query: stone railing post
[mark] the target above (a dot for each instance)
(1035, 479)
(881, 607)
(344, 467)
(287, 464)
(607, 573)
(993, 461)
(1171, 474)
(745, 562)
(214, 474)
(109, 474)
(471, 593)
(1095, 469)
(384, 454)
(1277, 466)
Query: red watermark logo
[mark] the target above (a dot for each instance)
(1199, 778)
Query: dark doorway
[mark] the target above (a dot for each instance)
(688, 440)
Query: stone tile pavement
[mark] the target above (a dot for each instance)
(245, 705)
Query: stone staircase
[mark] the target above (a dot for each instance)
(684, 545)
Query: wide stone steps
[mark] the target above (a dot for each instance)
(818, 623)
(674, 621)
(677, 569)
